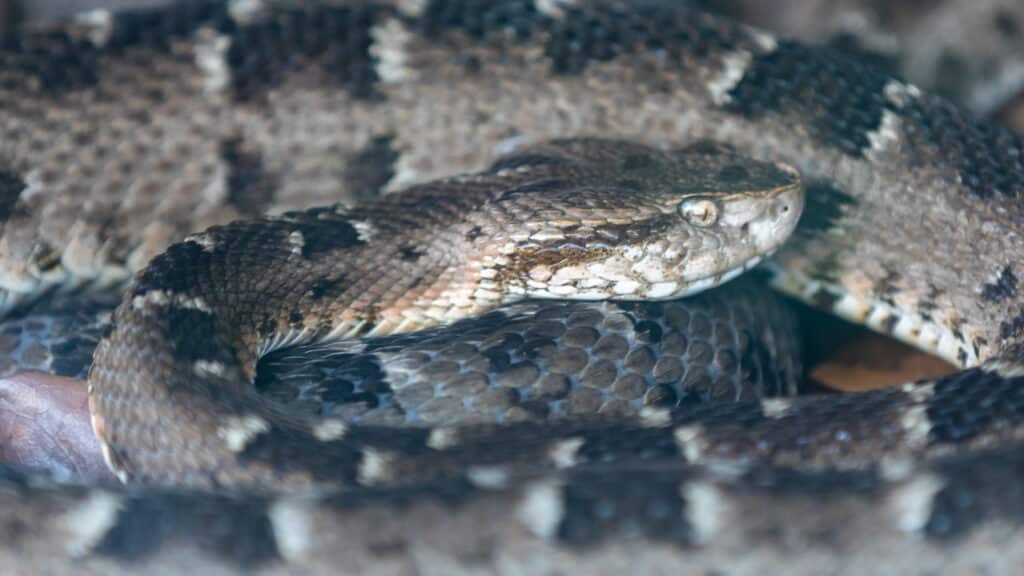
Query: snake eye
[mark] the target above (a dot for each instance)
(699, 211)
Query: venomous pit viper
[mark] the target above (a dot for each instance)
(123, 133)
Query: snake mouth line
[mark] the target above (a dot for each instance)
(714, 280)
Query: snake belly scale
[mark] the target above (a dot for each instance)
(201, 114)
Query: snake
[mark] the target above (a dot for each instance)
(125, 135)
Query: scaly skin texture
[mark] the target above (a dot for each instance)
(578, 219)
(912, 227)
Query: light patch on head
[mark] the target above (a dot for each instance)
(204, 368)
(565, 453)
(210, 53)
(291, 519)
(374, 467)
(87, 523)
(443, 438)
(887, 133)
(655, 417)
(98, 26)
(690, 441)
(662, 290)
(542, 508)
(390, 49)
(330, 429)
(775, 408)
(164, 298)
(297, 241)
(706, 510)
(238, 431)
(488, 477)
(734, 67)
(912, 503)
(626, 287)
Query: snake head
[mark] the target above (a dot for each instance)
(623, 221)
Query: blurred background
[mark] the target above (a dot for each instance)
(971, 51)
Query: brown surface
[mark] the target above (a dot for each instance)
(872, 361)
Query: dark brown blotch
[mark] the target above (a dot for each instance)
(192, 334)
(336, 39)
(327, 288)
(175, 270)
(824, 206)
(409, 253)
(235, 531)
(325, 232)
(370, 169)
(799, 80)
(60, 62)
(250, 187)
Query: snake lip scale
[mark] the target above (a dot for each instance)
(126, 135)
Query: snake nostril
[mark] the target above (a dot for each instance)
(745, 228)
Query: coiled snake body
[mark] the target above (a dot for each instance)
(911, 228)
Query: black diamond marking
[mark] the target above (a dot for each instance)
(599, 33)
(989, 158)
(174, 270)
(325, 234)
(237, 531)
(481, 19)
(60, 62)
(824, 207)
(338, 38)
(596, 505)
(843, 98)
